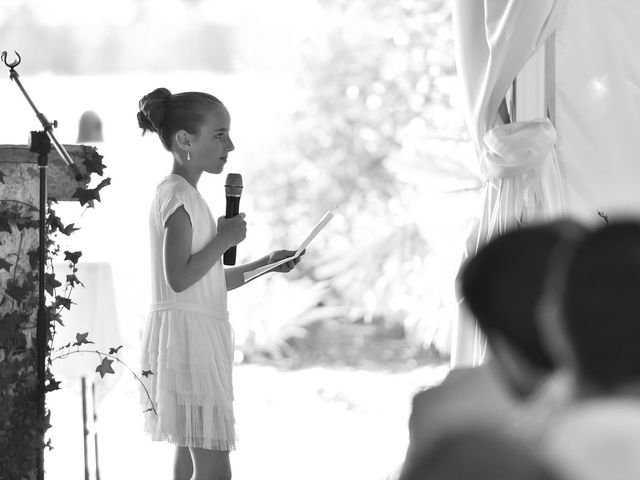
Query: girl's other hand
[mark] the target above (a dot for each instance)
(233, 230)
(281, 254)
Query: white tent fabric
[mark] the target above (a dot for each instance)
(598, 107)
(494, 39)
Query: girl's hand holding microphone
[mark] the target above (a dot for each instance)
(233, 230)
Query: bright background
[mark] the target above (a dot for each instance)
(333, 103)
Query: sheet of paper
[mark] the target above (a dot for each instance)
(319, 226)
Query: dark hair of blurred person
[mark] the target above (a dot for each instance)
(502, 285)
(601, 310)
(478, 454)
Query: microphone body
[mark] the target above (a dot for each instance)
(233, 190)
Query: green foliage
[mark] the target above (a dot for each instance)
(378, 103)
(20, 432)
(18, 384)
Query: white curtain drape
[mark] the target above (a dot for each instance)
(493, 40)
(598, 107)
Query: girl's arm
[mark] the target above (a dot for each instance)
(182, 268)
(235, 275)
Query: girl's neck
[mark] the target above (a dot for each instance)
(189, 176)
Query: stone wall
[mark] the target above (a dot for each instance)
(19, 195)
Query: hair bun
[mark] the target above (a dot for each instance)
(152, 109)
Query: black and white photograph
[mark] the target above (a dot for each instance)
(319, 239)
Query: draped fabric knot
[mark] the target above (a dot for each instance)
(523, 179)
(516, 148)
(493, 40)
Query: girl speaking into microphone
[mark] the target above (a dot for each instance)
(188, 340)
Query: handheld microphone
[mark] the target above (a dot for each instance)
(233, 190)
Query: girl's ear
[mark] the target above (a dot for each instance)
(183, 140)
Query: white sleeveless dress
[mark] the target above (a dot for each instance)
(188, 340)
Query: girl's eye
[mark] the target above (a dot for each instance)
(220, 135)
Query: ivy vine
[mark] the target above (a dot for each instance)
(19, 425)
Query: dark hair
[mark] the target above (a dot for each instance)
(504, 281)
(165, 113)
(601, 306)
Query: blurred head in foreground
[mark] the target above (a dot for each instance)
(600, 310)
(479, 455)
(502, 285)
(595, 440)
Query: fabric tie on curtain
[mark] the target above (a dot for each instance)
(493, 41)
(519, 162)
(516, 148)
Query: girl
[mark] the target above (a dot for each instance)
(188, 341)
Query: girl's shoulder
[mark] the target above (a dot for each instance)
(173, 185)
(171, 193)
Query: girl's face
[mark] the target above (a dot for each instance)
(210, 147)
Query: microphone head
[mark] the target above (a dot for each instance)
(233, 185)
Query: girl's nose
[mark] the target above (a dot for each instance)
(230, 146)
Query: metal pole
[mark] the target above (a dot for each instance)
(95, 427)
(41, 327)
(85, 430)
(41, 144)
(46, 125)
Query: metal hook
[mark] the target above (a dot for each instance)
(13, 64)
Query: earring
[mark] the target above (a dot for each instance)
(188, 156)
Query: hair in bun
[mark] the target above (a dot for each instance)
(164, 113)
(152, 110)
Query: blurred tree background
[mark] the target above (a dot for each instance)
(377, 135)
(374, 132)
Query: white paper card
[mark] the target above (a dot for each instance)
(319, 226)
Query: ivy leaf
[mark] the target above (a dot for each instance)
(105, 367)
(87, 195)
(81, 339)
(94, 164)
(114, 351)
(52, 385)
(34, 259)
(4, 223)
(2, 175)
(50, 283)
(48, 445)
(47, 421)
(57, 318)
(25, 222)
(103, 183)
(146, 373)
(69, 229)
(4, 264)
(18, 292)
(54, 222)
(73, 280)
(64, 302)
(73, 257)
(11, 325)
